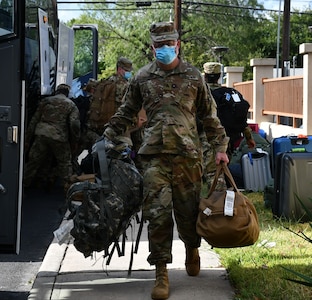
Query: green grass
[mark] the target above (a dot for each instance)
(258, 272)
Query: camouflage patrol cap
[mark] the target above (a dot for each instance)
(212, 68)
(124, 63)
(163, 31)
(91, 84)
(63, 87)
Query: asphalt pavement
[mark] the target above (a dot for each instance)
(41, 215)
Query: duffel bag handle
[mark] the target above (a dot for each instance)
(222, 168)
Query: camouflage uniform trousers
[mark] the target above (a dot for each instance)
(209, 166)
(40, 153)
(171, 183)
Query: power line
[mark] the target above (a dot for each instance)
(137, 3)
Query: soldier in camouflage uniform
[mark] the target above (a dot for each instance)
(89, 132)
(212, 73)
(172, 92)
(209, 153)
(121, 79)
(55, 129)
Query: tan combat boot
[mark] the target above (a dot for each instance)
(161, 288)
(192, 261)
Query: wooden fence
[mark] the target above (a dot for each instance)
(283, 97)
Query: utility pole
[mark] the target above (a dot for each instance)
(278, 40)
(177, 18)
(286, 37)
(177, 15)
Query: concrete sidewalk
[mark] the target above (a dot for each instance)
(66, 274)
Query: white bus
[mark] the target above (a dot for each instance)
(36, 54)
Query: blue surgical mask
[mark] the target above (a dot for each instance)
(127, 75)
(166, 54)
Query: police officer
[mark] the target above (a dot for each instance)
(55, 129)
(172, 92)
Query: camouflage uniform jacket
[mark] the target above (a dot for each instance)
(171, 100)
(214, 86)
(121, 88)
(56, 117)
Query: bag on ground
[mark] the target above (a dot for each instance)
(269, 194)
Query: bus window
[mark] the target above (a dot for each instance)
(6, 17)
(85, 56)
(83, 63)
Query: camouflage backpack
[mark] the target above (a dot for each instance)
(102, 105)
(102, 210)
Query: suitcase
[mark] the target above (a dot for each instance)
(237, 174)
(269, 194)
(293, 177)
(289, 144)
(256, 170)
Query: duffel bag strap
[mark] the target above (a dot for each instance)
(222, 168)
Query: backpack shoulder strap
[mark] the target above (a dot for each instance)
(101, 153)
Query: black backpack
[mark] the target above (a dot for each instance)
(232, 110)
(102, 210)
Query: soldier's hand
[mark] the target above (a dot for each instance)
(221, 156)
(251, 143)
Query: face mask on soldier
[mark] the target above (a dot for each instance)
(166, 54)
(127, 75)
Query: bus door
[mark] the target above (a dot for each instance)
(77, 59)
(65, 57)
(85, 56)
(12, 104)
(47, 55)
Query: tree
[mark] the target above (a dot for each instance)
(241, 25)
